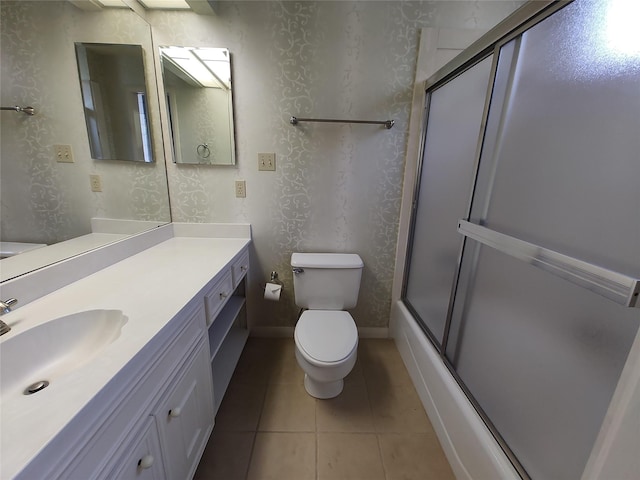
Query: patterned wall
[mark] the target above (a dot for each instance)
(44, 201)
(337, 188)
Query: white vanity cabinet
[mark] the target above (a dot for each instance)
(173, 437)
(143, 408)
(142, 459)
(160, 428)
(184, 417)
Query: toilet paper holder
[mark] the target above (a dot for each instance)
(273, 279)
(274, 288)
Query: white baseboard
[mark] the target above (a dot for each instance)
(271, 332)
(373, 332)
(281, 332)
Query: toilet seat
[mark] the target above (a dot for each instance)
(326, 337)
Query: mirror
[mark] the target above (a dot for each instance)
(199, 103)
(47, 170)
(114, 95)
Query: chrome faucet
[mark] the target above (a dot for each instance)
(5, 307)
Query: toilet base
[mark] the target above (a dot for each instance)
(322, 390)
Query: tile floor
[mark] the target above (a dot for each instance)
(269, 428)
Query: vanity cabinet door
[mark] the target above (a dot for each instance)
(142, 459)
(185, 416)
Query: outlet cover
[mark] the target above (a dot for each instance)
(267, 162)
(63, 153)
(241, 189)
(96, 183)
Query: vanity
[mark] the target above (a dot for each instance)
(138, 355)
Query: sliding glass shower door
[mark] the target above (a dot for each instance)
(542, 318)
(446, 176)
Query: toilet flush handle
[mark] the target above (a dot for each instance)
(297, 270)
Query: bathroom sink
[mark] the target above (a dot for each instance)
(55, 348)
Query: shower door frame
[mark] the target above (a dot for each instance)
(512, 27)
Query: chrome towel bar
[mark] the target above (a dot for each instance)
(387, 123)
(27, 110)
(615, 286)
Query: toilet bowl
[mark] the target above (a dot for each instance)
(326, 350)
(326, 335)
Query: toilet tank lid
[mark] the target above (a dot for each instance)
(326, 260)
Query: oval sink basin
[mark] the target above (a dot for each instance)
(55, 348)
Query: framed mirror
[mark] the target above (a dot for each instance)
(199, 103)
(114, 95)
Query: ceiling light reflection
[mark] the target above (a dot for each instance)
(622, 29)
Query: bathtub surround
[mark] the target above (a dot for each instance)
(576, 416)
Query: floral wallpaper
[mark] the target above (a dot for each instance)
(337, 187)
(44, 201)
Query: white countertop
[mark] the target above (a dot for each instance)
(150, 288)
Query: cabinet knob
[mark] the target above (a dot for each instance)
(145, 462)
(175, 412)
(244, 268)
(223, 295)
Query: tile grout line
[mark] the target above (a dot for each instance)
(384, 469)
(255, 433)
(373, 419)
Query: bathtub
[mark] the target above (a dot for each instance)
(470, 448)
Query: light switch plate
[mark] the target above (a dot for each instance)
(267, 162)
(63, 153)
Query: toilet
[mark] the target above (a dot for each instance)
(326, 337)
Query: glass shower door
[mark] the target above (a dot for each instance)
(558, 179)
(446, 176)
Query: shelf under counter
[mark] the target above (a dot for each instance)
(227, 334)
(224, 363)
(222, 324)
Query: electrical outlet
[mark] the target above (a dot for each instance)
(63, 153)
(267, 162)
(241, 189)
(96, 183)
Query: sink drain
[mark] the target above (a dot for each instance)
(36, 387)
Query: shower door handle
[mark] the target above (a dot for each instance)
(615, 286)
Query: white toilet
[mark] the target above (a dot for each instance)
(326, 336)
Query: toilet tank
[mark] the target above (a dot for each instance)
(327, 281)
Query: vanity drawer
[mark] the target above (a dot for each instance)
(240, 267)
(218, 296)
